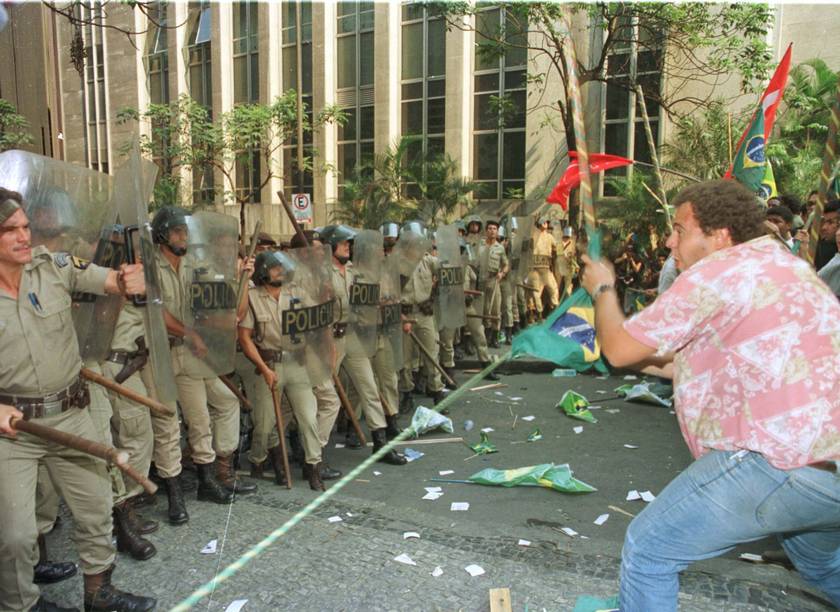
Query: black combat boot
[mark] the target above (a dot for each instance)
(351, 438)
(48, 572)
(419, 383)
(437, 398)
(508, 335)
(490, 375)
(450, 372)
(177, 513)
(275, 456)
(312, 473)
(393, 428)
(493, 338)
(102, 596)
(257, 470)
(209, 488)
(142, 525)
(128, 540)
(380, 439)
(406, 402)
(43, 605)
(227, 477)
(328, 473)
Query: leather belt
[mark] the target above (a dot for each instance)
(119, 357)
(74, 396)
(270, 355)
(826, 466)
(175, 341)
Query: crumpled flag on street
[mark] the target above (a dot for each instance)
(484, 446)
(425, 420)
(576, 406)
(649, 393)
(548, 475)
(535, 435)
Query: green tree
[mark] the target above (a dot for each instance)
(14, 128)
(634, 209)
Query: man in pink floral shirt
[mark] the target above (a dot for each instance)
(751, 338)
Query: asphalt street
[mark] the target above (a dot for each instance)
(349, 564)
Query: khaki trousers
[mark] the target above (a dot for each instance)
(508, 314)
(386, 376)
(426, 331)
(539, 279)
(476, 327)
(293, 380)
(329, 405)
(360, 372)
(80, 479)
(493, 303)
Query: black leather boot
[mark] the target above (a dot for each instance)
(102, 596)
(43, 605)
(351, 439)
(406, 402)
(209, 488)
(437, 398)
(450, 372)
(128, 540)
(275, 456)
(48, 572)
(492, 375)
(142, 525)
(508, 335)
(177, 513)
(419, 383)
(493, 338)
(393, 428)
(328, 473)
(380, 439)
(227, 477)
(312, 473)
(257, 470)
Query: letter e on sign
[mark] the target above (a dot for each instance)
(302, 207)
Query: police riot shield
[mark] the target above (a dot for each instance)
(450, 284)
(390, 310)
(308, 309)
(212, 248)
(71, 211)
(409, 250)
(364, 293)
(521, 248)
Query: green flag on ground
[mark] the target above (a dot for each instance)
(535, 435)
(484, 446)
(548, 475)
(651, 393)
(750, 165)
(576, 406)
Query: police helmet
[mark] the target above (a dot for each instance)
(418, 227)
(473, 219)
(333, 234)
(542, 220)
(271, 259)
(567, 232)
(166, 219)
(51, 212)
(390, 229)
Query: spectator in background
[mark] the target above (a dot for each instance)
(792, 203)
(827, 245)
(782, 218)
(830, 272)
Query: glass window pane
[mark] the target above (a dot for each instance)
(366, 119)
(347, 24)
(254, 78)
(515, 80)
(289, 68)
(436, 120)
(204, 24)
(487, 82)
(516, 54)
(487, 26)
(412, 10)
(618, 63)
(615, 138)
(347, 61)
(346, 8)
(412, 118)
(366, 20)
(617, 102)
(513, 155)
(414, 151)
(306, 56)
(650, 84)
(487, 190)
(240, 79)
(348, 130)
(365, 153)
(435, 147)
(436, 65)
(412, 91)
(366, 59)
(485, 113)
(641, 149)
(436, 88)
(346, 160)
(412, 51)
(486, 151)
(648, 61)
(518, 105)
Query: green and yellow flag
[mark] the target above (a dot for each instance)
(750, 165)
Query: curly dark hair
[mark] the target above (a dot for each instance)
(725, 204)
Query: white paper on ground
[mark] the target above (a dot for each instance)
(474, 570)
(612, 410)
(411, 534)
(348, 514)
(404, 558)
(648, 496)
(630, 446)
(236, 605)
(499, 393)
(375, 473)
(339, 445)
(578, 429)
(595, 407)
(633, 495)
(530, 417)
(523, 543)
(334, 519)
(751, 557)
(601, 519)
(446, 472)
(432, 496)
(487, 430)
(515, 399)
(569, 531)
(209, 548)
(459, 506)
(433, 489)
(631, 377)
(438, 571)
(601, 391)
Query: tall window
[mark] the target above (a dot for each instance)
(423, 115)
(246, 89)
(355, 85)
(93, 87)
(291, 176)
(157, 70)
(499, 105)
(201, 87)
(639, 60)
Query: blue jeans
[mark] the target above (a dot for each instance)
(724, 499)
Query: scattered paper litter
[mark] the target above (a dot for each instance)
(404, 558)
(630, 446)
(612, 410)
(648, 496)
(474, 570)
(751, 557)
(350, 514)
(515, 399)
(523, 543)
(499, 393)
(487, 429)
(432, 496)
(209, 548)
(601, 519)
(595, 407)
(569, 531)
(411, 534)
(412, 455)
(578, 429)
(530, 417)
(446, 472)
(236, 605)
(601, 391)
(375, 473)
(334, 519)
(631, 377)
(339, 445)
(633, 495)
(459, 506)
(438, 571)
(433, 489)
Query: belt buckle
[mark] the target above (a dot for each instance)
(53, 408)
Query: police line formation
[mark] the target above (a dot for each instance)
(116, 323)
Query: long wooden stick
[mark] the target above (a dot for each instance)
(428, 355)
(281, 431)
(243, 278)
(654, 156)
(109, 454)
(235, 390)
(155, 406)
(348, 407)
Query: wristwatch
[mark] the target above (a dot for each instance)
(602, 288)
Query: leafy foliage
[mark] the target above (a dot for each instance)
(14, 128)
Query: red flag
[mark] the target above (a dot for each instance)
(598, 162)
(770, 100)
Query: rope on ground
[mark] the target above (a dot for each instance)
(255, 551)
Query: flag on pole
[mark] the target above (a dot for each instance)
(598, 162)
(750, 164)
(768, 183)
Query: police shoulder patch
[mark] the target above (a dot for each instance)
(61, 259)
(80, 264)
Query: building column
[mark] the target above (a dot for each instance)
(459, 107)
(325, 140)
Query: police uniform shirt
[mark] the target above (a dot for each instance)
(543, 247)
(492, 258)
(175, 287)
(418, 288)
(341, 289)
(130, 326)
(37, 338)
(265, 317)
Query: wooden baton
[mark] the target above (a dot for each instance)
(281, 430)
(428, 355)
(153, 405)
(235, 390)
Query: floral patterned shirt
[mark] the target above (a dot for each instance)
(756, 338)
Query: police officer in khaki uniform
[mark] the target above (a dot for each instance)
(493, 266)
(198, 390)
(43, 384)
(475, 324)
(540, 276)
(565, 264)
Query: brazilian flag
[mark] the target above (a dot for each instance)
(566, 337)
(768, 183)
(750, 165)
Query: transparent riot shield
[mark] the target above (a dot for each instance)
(521, 247)
(450, 285)
(363, 300)
(308, 311)
(390, 310)
(409, 250)
(211, 297)
(71, 210)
